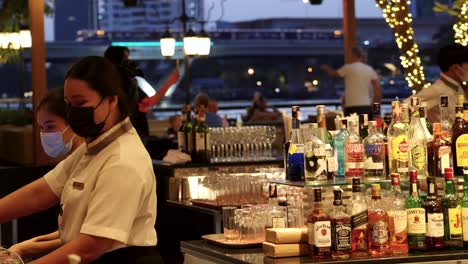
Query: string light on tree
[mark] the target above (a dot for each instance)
(461, 27)
(398, 18)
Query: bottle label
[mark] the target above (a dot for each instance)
(341, 236)
(444, 158)
(418, 157)
(316, 166)
(400, 148)
(359, 220)
(400, 221)
(296, 148)
(380, 232)
(331, 164)
(455, 222)
(435, 225)
(465, 223)
(181, 140)
(310, 232)
(416, 220)
(461, 150)
(373, 149)
(322, 234)
(202, 141)
(355, 152)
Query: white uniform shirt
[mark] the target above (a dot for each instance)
(358, 88)
(108, 189)
(431, 95)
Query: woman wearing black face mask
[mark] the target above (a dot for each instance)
(107, 187)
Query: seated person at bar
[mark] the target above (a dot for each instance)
(212, 119)
(58, 141)
(175, 123)
(258, 111)
(107, 187)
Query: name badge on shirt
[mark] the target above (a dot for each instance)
(78, 185)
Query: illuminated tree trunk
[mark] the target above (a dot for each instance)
(461, 27)
(399, 19)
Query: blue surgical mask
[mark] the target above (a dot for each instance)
(53, 144)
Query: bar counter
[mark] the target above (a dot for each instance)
(200, 251)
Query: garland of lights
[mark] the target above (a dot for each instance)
(399, 19)
(461, 27)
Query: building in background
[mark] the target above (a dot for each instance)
(71, 16)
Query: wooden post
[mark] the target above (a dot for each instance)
(39, 79)
(349, 28)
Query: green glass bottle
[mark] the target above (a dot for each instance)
(415, 209)
(187, 129)
(452, 213)
(464, 207)
(202, 138)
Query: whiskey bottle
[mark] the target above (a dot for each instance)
(464, 208)
(359, 218)
(438, 153)
(374, 150)
(379, 243)
(416, 216)
(452, 213)
(434, 218)
(398, 218)
(340, 229)
(319, 229)
(459, 141)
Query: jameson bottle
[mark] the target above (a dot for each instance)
(439, 153)
(397, 218)
(445, 118)
(374, 150)
(460, 140)
(398, 142)
(379, 242)
(354, 153)
(319, 229)
(296, 149)
(452, 213)
(416, 216)
(417, 143)
(464, 208)
(359, 219)
(434, 218)
(180, 132)
(339, 143)
(340, 229)
(202, 138)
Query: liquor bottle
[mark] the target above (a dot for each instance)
(319, 229)
(414, 105)
(397, 218)
(434, 218)
(445, 119)
(180, 132)
(359, 219)
(315, 158)
(188, 139)
(363, 126)
(464, 208)
(325, 136)
(459, 142)
(193, 135)
(377, 115)
(439, 153)
(426, 124)
(202, 141)
(296, 149)
(374, 148)
(417, 146)
(354, 153)
(416, 216)
(339, 143)
(379, 243)
(452, 213)
(405, 114)
(340, 229)
(387, 120)
(398, 143)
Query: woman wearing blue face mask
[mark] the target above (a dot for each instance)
(58, 141)
(106, 187)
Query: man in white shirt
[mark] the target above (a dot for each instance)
(453, 64)
(362, 87)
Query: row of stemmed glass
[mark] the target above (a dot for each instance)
(246, 143)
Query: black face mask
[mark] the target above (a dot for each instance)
(81, 121)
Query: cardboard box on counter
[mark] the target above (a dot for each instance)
(285, 250)
(286, 235)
